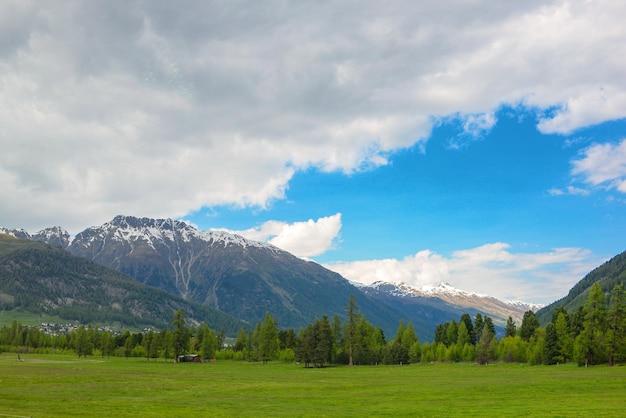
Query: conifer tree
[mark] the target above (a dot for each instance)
(550, 345)
(352, 312)
(180, 334)
(268, 342)
(589, 343)
(511, 328)
(564, 339)
(467, 320)
(616, 330)
(529, 325)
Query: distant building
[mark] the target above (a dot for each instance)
(189, 358)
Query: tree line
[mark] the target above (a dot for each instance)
(594, 334)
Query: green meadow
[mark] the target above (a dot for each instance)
(61, 386)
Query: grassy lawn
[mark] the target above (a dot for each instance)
(56, 385)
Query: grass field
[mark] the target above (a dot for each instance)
(57, 385)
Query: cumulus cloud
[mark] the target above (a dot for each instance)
(491, 269)
(603, 164)
(303, 239)
(159, 109)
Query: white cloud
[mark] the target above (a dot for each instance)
(603, 164)
(303, 239)
(569, 190)
(489, 269)
(158, 110)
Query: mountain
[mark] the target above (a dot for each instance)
(53, 236)
(241, 277)
(42, 278)
(433, 305)
(607, 276)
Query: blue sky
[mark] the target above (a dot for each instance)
(509, 185)
(477, 143)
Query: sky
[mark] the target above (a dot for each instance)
(482, 143)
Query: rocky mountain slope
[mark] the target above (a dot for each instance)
(243, 278)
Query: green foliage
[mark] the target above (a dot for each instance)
(616, 326)
(181, 334)
(529, 325)
(510, 329)
(589, 347)
(607, 276)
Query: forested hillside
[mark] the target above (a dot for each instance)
(40, 278)
(608, 275)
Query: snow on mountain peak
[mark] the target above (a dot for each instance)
(131, 229)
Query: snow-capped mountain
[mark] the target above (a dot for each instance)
(246, 279)
(53, 236)
(497, 309)
(241, 277)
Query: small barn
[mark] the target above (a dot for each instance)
(189, 358)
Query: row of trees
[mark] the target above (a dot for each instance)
(168, 343)
(594, 334)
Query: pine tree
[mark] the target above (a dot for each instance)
(467, 320)
(529, 325)
(479, 324)
(589, 343)
(323, 342)
(463, 336)
(268, 343)
(616, 330)
(550, 346)
(484, 347)
(352, 312)
(209, 343)
(511, 328)
(180, 335)
(241, 341)
(564, 340)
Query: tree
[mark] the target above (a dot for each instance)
(306, 345)
(564, 340)
(463, 336)
(242, 340)
(166, 342)
(479, 324)
(616, 329)
(529, 325)
(268, 342)
(489, 325)
(352, 312)
(451, 333)
(467, 320)
(484, 347)
(181, 334)
(150, 345)
(510, 329)
(323, 342)
(209, 343)
(550, 345)
(82, 344)
(589, 343)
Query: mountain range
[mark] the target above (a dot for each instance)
(245, 279)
